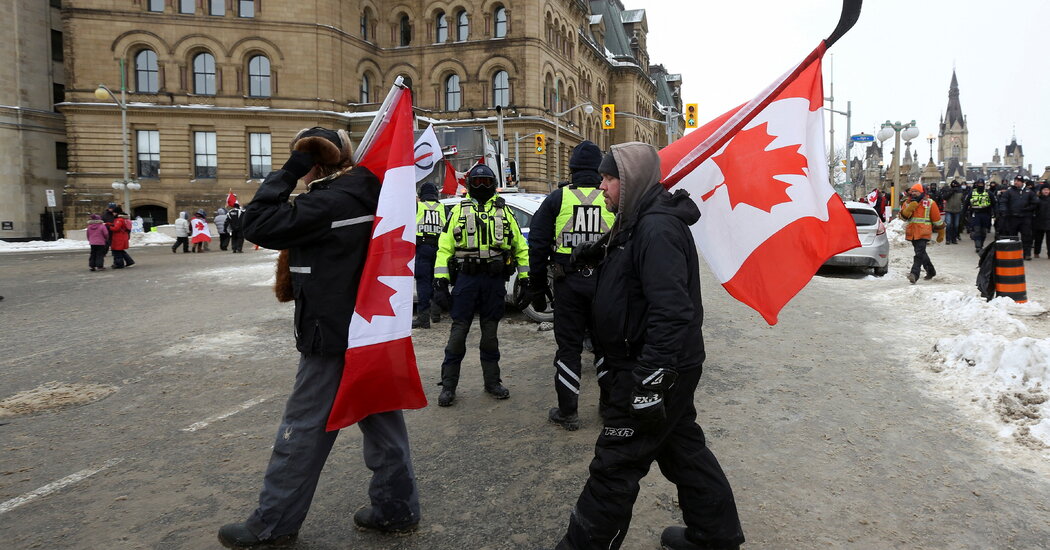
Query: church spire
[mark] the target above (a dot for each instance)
(954, 113)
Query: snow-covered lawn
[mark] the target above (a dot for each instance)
(152, 238)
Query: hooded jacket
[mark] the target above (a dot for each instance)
(648, 290)
(97, 234)
(121, 232)
(182, 225)
(220, 221)
(326, 232)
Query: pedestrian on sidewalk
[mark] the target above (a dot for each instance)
(97, 235)
(235, 227)
(1019, 205)
(649, 311)
(201, 234)
(952, 198)
(922, 216)
(981, 204)
(220, 227)
(182, 233)
(326, 233)
(120, 240)
(1041, 223)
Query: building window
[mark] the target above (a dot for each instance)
(405, 30)
(56, 46)
(365, 22)
(187, 6)
(462, 26)
(406, 81)
(204, 74)
(365, 86)
(56, 4)
(452, 93)
(501, 89)
(246, 8)
(217, 7)
(58, 95)
(259, 155)
(442, 27)
(259, 76)
(147, 80)
(155, 5)
(148, 153)
(500, 28)
(61, 155)
(205, 158)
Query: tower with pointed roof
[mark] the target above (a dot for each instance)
(953, 144)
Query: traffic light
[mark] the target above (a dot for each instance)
(541, 144)
(609, 116)
(690, 116)
(844, 165)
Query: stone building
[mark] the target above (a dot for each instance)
(217, 88)
(32, 132)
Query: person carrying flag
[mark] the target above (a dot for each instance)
(430, 219)
(648, 300)
(922, 216)
(326, 231)
(484, 245)
(568, 217)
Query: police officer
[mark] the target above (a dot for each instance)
(484, 245)
(430, 218)
(1018, 207)
(981, 204)
(569, 216)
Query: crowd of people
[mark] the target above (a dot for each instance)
(110, 231)
(193, 235)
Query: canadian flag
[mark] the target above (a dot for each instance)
(451, 182)
(231, 199)
(380, 373)
(769, 216)
(872, 197)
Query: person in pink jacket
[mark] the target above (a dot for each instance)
(97, 236)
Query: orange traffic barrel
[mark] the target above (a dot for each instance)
(1009, 271)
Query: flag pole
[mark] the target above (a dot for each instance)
(381, 119)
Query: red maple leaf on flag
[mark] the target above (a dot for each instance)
(392, 254)
(749, 169)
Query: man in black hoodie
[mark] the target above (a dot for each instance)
(648, 301)
(568, 217)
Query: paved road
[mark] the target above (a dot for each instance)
(821, 423)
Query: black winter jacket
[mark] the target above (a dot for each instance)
(1042, 214)
(648, 294)
(326, 232)
(1018, 202)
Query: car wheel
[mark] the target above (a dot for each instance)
(880, 271)
(546, 316)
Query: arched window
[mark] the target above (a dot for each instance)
(462, 26)
(500, 89)
(452, 93)
(259, 76)
(442, 27)
(500, 19)
(548, 92)
(147, 80)
(365, 87)
(556, 103)
(405, 30)
(406, 80)
(366, 17)
(204, 74)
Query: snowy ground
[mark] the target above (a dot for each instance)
(137, 239)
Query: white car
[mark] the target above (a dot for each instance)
(523, 206)
(874, 249)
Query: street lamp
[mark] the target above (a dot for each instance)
(910, 131)
(587, 108)
(103, 93)
(930, 138)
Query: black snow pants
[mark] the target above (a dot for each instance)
(484, 295)
(573, 296)
(921, 260)
(623, 456)
(1020, 227)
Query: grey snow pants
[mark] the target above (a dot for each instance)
(302, 447)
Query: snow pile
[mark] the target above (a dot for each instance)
(1008, 376)
(30, 246)
(975, 313)
(151, 238)
(895, 233)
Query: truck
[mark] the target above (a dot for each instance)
(463, 147)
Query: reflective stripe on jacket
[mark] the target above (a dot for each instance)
(583, 218)
(922, 216)
(484, 233)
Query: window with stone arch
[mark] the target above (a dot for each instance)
(366, 24)
(147, 72)
(441, 24)
(204, 74)
(556, 101)
(366, 89)
(499, 19)
(462, 26)
(404, 28)
(259, 76)
(548, 92)
(453, 94)
(501, 89)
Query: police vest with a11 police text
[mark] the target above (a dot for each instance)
(583, 218)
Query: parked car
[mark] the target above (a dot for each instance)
(523, 206)
(874, 249)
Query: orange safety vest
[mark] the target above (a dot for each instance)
(922, 216)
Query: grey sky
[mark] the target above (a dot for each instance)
(895, 64)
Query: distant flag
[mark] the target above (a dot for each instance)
(451, 181)
(427, 153)
(231, 199)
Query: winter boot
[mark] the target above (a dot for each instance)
(912, 278)
(435, 317)
(570, 422)
(364, 520)
(237, 535)
(677, 538)
(497, 390)
(930, 275)
(421, 321)
(447, 397)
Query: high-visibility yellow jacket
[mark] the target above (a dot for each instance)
(483, 233)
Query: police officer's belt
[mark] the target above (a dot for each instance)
(427, 239)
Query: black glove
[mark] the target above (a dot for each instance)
(299, 164)
(588, 254)
(442, 297)
(647, 398)
(539, 293)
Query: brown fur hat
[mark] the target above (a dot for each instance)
(328, 147)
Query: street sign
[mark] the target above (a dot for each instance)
(864, 138)
(51, 198)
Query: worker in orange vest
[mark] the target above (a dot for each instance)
(922, 216)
